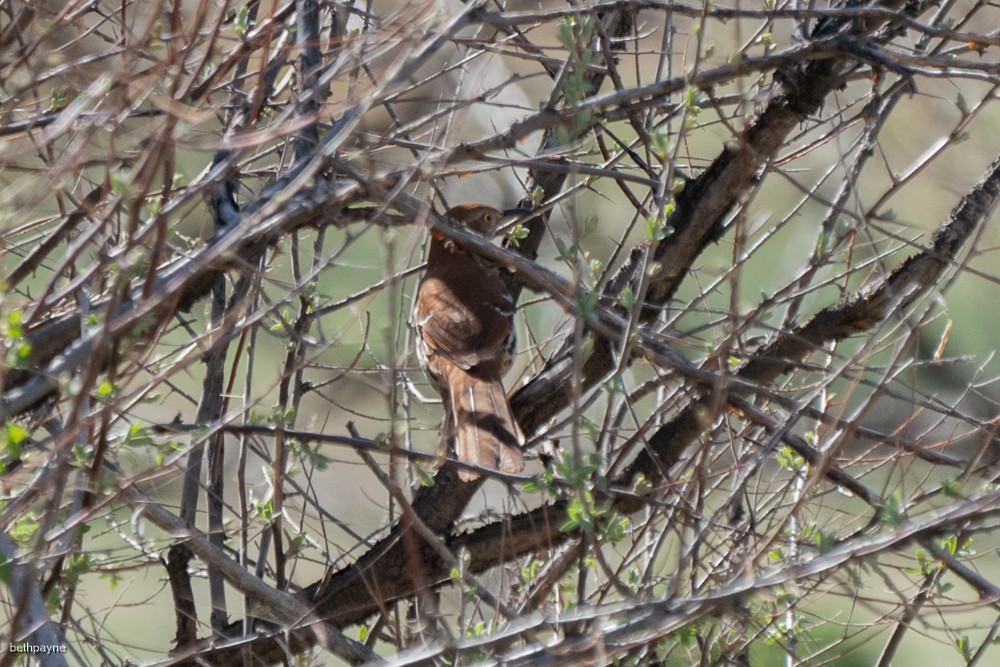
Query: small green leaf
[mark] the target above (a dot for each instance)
(693, 99)
(565, 33)
(242, 21)
(265, 510)
(964, 646)
(790, 460)
(587, 304)
(627, 298)
(893, 511)
(138, 436)
(24, 529)
(13, 324)
(659, 145)
(537, 195)
(14, 435)
(121, 181)
(517, 234)
(565, 252)
(424, 478)
(655, 230)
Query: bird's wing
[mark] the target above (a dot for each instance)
(466, 322)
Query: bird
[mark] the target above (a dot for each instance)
(463, 315)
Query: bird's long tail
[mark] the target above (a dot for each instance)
(486, 433)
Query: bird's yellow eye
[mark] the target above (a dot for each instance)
(488, 218)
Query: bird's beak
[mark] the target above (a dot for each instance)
(511, 213)
(516, 212)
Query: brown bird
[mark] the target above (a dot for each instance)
(464, 318)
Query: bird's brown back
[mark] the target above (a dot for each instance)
(463, 307)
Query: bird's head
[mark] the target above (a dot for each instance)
(479, 218)
(483, 219)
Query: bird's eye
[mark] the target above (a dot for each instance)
(488, 218)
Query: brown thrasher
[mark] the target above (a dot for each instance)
(464, 318)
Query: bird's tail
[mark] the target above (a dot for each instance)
(486, 434)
